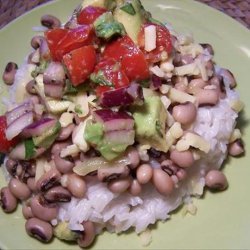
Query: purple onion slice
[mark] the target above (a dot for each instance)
(156, 82)
(112, 120)
(38, 128)
(54, 74)
(16, 127)
(15, 113)
(122, 96)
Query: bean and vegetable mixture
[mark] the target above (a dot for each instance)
(116, 98)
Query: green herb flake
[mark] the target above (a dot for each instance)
(70, 89)
(128, 8)
(39, 69)
(158, 127)
(30, 149)
(100, 79)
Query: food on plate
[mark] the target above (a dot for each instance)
(113, 117)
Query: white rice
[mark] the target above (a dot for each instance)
(118, 213)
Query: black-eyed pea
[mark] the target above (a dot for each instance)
(216, 180)
(42, 209)
(76, 185)
(9, 73)
(19, 189)
(57, 194)
(134, 157)
(207, 97)
(39, 229)
(183, 159)
(27, 211)
(31, 183)
(120, 185)
(236, 148)
(144, 173)
(195, 85)
(185, 113)
(8, 201)
(88, 235)
(135, 187)
(162, 182)
(48, 180)
(51, 22)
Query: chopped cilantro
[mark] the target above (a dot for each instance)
(100, 79)
(30, 149)
(70, 89)
(39, 69)
(128, 8)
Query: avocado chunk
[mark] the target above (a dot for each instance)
(106, 26)
(62, 232)
(132, 15)
(108, 4)
(48, 137)
(150, 123)
(110, 144)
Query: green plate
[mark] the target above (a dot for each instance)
(223, 219)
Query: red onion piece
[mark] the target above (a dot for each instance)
(114, 120)
(120, 137)
(181, 60)
(37, 128)
(156, 82)
(15, 113)
(19, 152)
(54, 91)
(16, 127)
(54, 74)
(122, 96)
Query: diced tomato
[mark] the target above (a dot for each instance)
(80, 63)
(131, 57)
(5, 145)
(112, 72)
(89, 14)
(62, 41)
(53, 37)
(163, 43)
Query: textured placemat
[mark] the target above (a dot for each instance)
(238, 9)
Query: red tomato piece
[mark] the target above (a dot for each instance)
(80, 63)
(5, 145)
(62, 42)
(89, 14)
(131, 57)
(53, 38)
(163, 43)
(112, 72)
